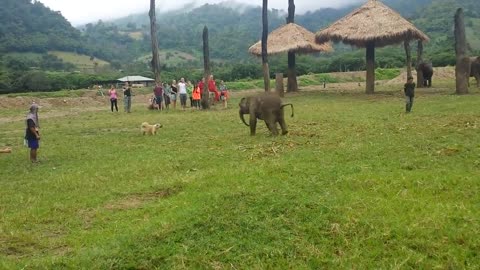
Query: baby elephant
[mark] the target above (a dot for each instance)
(267, 107)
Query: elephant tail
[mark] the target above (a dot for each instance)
(288, 104)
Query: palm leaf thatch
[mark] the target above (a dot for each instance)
(291, 38)
(374, 23)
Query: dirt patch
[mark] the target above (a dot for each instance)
(61, 106)
(439, 73)
(137, 200)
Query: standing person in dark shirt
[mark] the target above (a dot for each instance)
(173, 96)
(127, 97)
(409, 90)
(158, 92)
(32, 134)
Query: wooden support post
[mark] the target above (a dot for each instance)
(408, 58)
(206, 67)
(420, 79)
(462, 69)
(279, 88)
(370, 85)
(292, 84)
(266, 69)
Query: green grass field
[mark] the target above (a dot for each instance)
(79, 60)
(357, 184)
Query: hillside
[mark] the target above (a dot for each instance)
(232, 31)
(31, 27)
(29, 31)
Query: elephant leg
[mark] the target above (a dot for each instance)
(253, 124)
(477, 77)
(283, 125)
(272, 126)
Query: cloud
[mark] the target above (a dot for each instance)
(84, 11)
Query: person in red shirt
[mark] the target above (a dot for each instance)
(213, 88)
(201, 84)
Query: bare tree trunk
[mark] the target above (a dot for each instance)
(420, 79)
(206, 68)
(292, 84)
(279, 84)
(408, 53)
(153, 34)
(462, 69)
(370, 85)
(266, 70)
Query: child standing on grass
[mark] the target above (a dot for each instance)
(223, 93)
(190, 92)
(196, 95)
(409, 90)
(32, 134)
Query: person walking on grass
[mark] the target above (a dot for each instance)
(409, 90)
(127, 97)
(112, 93)
(32, 134)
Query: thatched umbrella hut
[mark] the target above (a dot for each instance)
(291, 38)
(372, 25)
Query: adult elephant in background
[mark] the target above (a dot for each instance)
(475, 69)
(427, 71)
(267, 107)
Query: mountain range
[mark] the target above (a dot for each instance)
(33, 36)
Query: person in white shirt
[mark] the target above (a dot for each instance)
(182, 90)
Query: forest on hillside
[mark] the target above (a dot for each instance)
(29, 31)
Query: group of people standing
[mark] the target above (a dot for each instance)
(166, 94)
(127, 97)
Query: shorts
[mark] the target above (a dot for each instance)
(158, 99)
(173, 97)
(33, 143)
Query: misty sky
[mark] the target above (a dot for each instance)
(85, 11)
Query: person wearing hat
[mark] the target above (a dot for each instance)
(409, 90)
(32, 134)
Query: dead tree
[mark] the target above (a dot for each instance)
(292, 84)
(153, 34)
(266, 69)
(206, 70)
(462, 69)
(420, 79)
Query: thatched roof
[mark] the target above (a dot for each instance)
(373, 21)
(291, 38)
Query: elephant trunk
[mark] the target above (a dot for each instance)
(243, 119)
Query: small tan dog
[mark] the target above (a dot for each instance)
(149, 129)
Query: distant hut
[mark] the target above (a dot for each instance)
(291, 38)
(372, 25)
